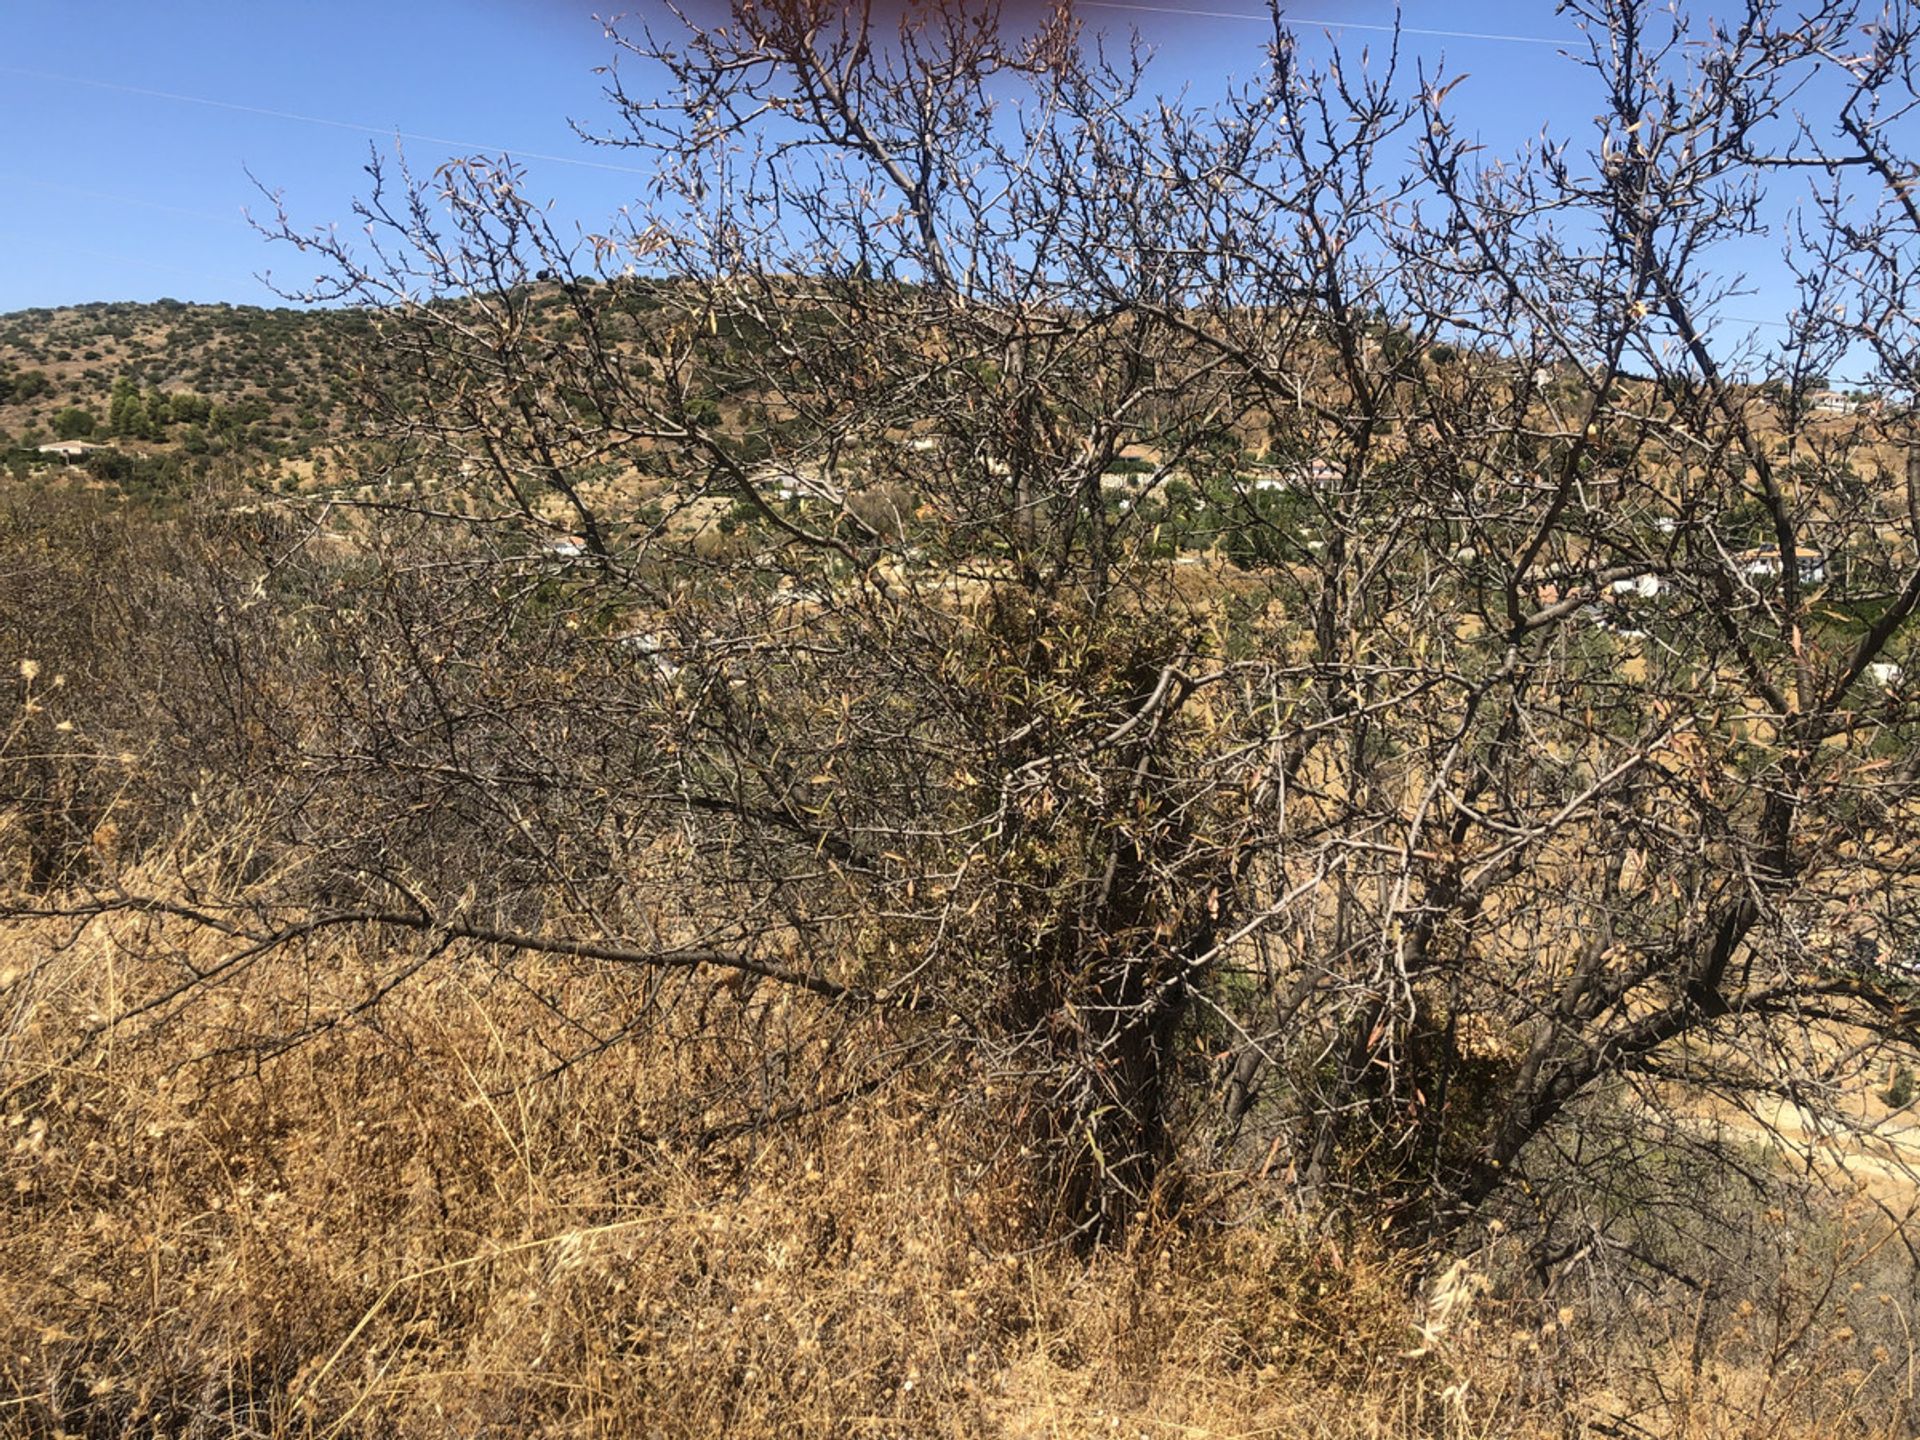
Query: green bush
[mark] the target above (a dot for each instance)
(74, 422)
(1900, 1087)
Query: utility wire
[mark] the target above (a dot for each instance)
(461, 145)
(52, 245)
(1293, 23)
(115, 198)
(458, 145)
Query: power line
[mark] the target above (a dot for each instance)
(1301, 24)
(53, 245)
(212, 104)
(460, 145)
(118, 199)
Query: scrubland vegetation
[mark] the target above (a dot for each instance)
(415, 1228)
(1098, 767)
(176, 392)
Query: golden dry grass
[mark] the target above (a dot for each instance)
(387, 1231)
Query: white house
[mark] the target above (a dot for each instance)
(1316, 472)
(1764, 563)
(1639, 587)
(70, 451)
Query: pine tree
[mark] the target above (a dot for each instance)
(126, 415)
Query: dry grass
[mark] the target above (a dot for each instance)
(387, 1231)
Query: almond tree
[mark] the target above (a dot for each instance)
(1249, 630)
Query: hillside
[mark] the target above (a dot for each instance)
(172, 387)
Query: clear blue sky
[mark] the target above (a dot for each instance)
(131, 128)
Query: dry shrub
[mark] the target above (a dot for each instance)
(395, 1227)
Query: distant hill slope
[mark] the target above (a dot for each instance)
(186, 383)
(169, 388)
